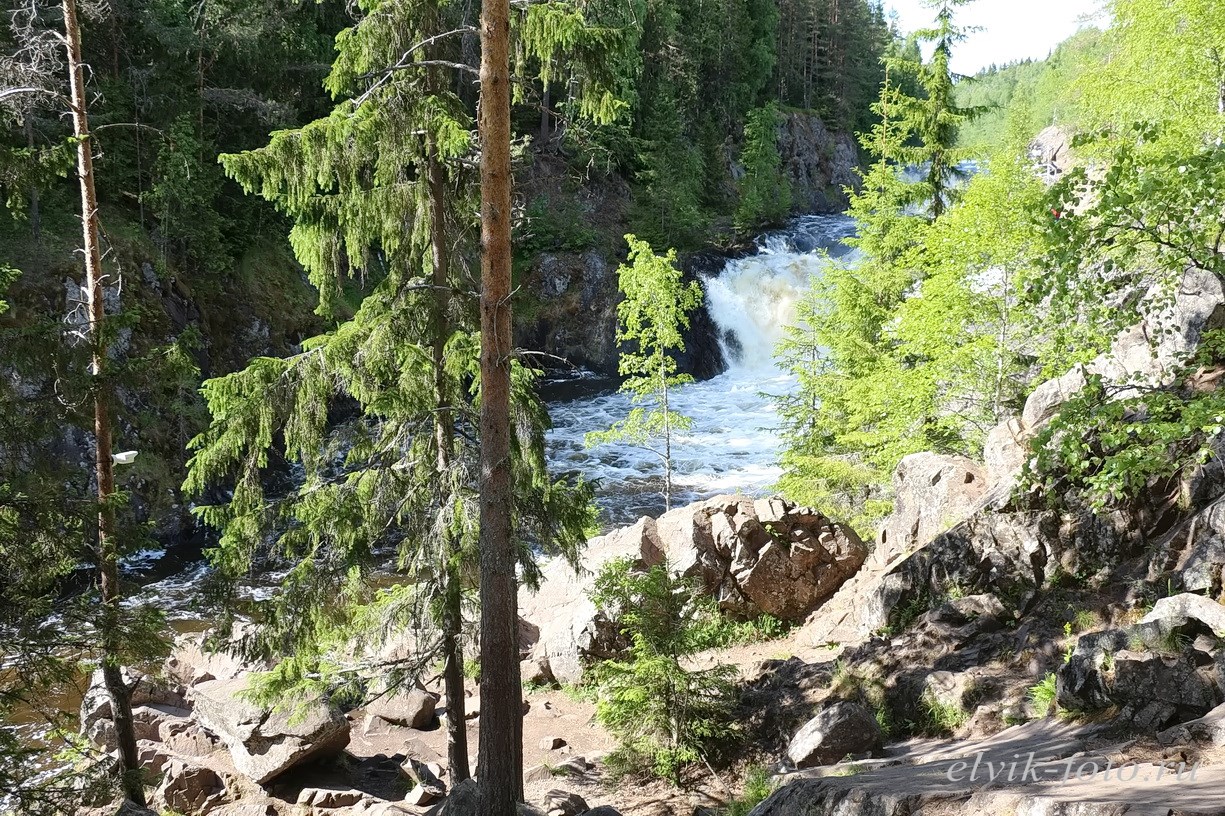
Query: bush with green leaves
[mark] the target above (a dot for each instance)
(758, 785)
(663, 714)
(1112, 450)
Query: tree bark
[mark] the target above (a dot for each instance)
(444, 440)
(107, 553)
(36, 220)
(500, 765)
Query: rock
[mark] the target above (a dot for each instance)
(329, 798)
(563, 803)
(1051, 150)
(538, 773)
(146, 692)
(423, 796)
(552, 743)
(125, 808)
(1046, 400)
(566, 628)
(1153, 691)
(1184, 615)
(190, 663)
(841, 729)
(412, 707)
(604, 810)
(574, 766)
(536, 671)
(153, 756)
(933, 493)
(186, 737)
(1209, 729)
(264, 743)
(465, 800)
(819, 164)
(1005, 451)
(428, 774)
(190, 788)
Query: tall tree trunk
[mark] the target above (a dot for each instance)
(545, 99)
(36, 219)
(500, 765)
(107, 554)
(444, 439)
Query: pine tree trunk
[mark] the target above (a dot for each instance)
(36, 220)
(444, 438)
(500, 764)
(107, 555)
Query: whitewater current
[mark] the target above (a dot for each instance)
(733, 444)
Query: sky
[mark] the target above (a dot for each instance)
(1010, 29)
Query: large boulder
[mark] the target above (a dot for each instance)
(160, 699)
(841, 729)
(1005, 451)
(189, 788)
(561, 625)
(766, 556)
(1134, 671)
(932, 494)
(265, 743)
(413, 707)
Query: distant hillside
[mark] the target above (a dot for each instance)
(1035, 93)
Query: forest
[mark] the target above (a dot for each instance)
(605, 406)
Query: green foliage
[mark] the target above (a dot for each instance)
(765, 193)
(715, 630)
(918, 345)
(663, 715)
(758, 785)
(1043, 694)
(1125, 239)
(555, 226)
(651, 320)
(1112, 450)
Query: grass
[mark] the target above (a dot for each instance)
(714, 630)
(758, 785)
(939, 717)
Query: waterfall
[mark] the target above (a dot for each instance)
(754, 299)
(733, 444)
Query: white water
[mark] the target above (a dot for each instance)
(733, 445)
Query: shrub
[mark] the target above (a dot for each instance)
(662, 714)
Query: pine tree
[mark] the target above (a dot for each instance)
(651, 319)
(380, 191)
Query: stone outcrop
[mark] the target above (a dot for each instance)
(413, 707)
(842, 728)
(1154, 672)
(767, 556)
(1044, 768)
(189, 788)
(264, 743)
(152, 700)
(932, 493)
(818, 163)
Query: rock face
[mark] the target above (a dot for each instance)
(264, 743)
(767, 556)
(190, 789)
(933, 493)
(414, 707)
(818, 163)
(160, 700)
(843, 728)
(1153, 672)
(1051, 150)
(561, 626)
